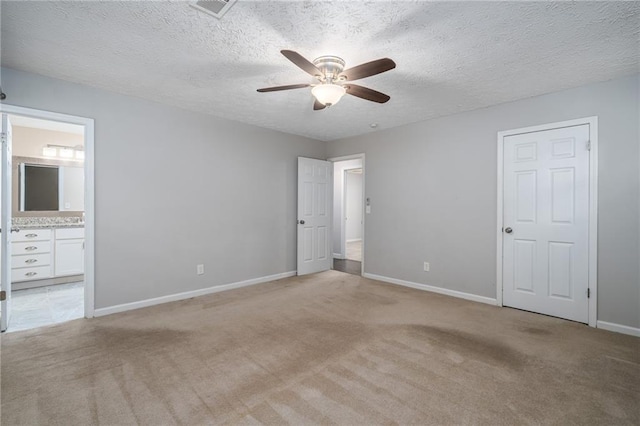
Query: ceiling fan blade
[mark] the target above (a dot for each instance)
(301, 62)
(366, 93)
(368, 69)
(318, 106)
(289, 87)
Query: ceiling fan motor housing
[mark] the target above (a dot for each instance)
(331, 67)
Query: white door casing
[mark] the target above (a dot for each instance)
(546, 221)
(89, 139)
(315, 207)
(5, 223)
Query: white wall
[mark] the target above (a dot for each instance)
(71, 189)
(175, 188)
(433, 193)
(28, 142)
(353, 199)
(338, 199)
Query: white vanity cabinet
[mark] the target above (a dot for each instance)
(31, 256)
(69, 251)
(47, 253)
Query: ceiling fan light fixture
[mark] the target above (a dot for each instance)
(328, 94)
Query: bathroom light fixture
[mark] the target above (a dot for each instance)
(64, 152)
(50, 151)
(328, 94)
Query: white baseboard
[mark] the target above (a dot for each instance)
(440, 290)
(189, 294)
(618, 328)
(354, 240)
(338, 256)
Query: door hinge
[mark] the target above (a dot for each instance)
(588, 145)
(588, 293)
(3, 295)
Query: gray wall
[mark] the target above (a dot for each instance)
(175, 188)
(433, 193)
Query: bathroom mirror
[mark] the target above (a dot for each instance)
(47, 187)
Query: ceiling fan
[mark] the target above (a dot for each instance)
(334, 80)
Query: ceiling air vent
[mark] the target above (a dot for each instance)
(215, 8)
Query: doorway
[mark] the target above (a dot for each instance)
(353, 214)
(348, 214)
(547, 220)
(47, 204)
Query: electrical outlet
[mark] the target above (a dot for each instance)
(426, 266)
(200, 269)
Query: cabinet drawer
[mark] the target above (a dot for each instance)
(69, 233)
(31, 235)
(33, 273)
(30, 260)
(32, 247)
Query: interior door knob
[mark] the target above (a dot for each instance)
(301, 222)
(508, 230)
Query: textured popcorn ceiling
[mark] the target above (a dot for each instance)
(451, 56)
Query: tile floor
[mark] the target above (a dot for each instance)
(38, 307)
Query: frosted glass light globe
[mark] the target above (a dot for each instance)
(328, 94)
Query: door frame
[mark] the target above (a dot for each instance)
(593, 205)
(364, 213)
(89, 188)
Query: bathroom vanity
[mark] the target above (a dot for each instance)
(47, 253)
(46, 250)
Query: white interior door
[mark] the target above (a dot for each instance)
(315, 196)
(546, 222)
(5, 224)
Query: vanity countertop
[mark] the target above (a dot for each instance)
(47, 222)
(55, 225)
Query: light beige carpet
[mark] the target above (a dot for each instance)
(330, 348)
